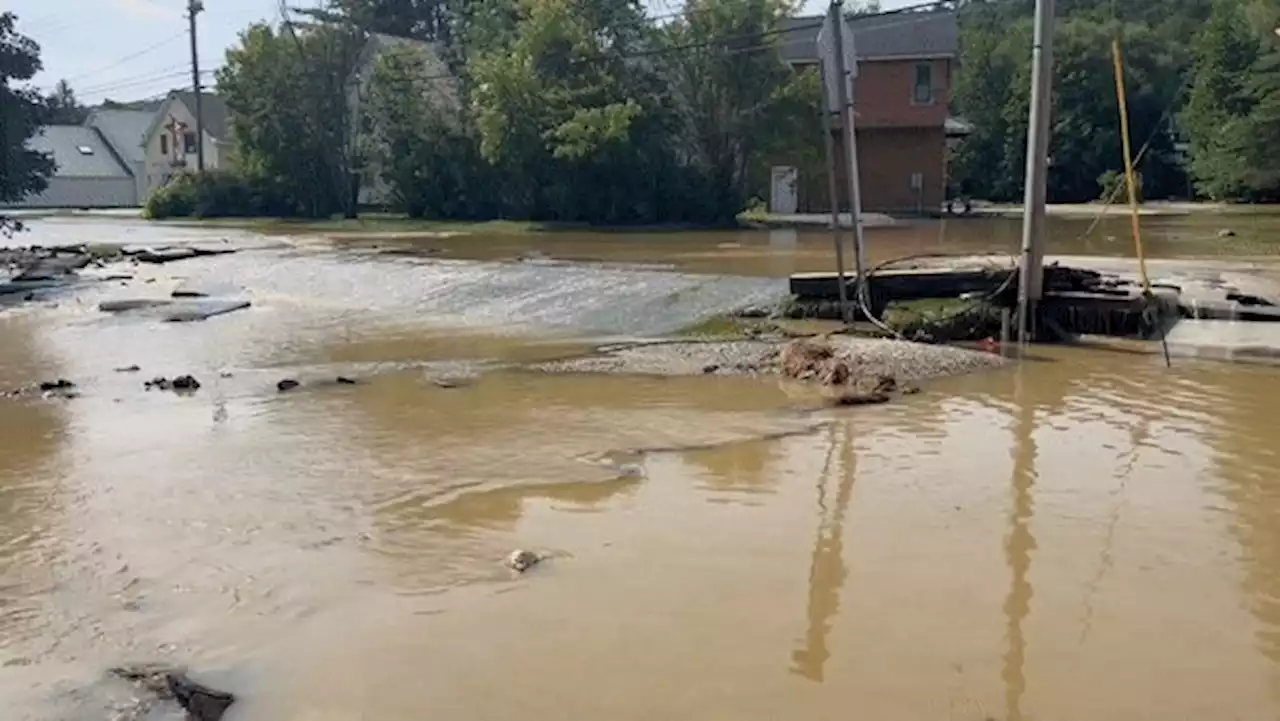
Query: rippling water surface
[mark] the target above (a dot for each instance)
(1087, 536)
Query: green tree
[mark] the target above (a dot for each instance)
(1219, 101)
(416, 138)
(1254, 137)
(739, 101)
(561, 110)
(22, 111)
(985, 165)
(64, 107)
(291, 114)
(993, 86)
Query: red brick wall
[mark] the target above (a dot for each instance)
(884, 94)
(887, 157)
(896, 138)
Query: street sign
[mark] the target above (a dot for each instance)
(827, 52)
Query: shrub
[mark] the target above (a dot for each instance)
(220, 194)
(1113, 187)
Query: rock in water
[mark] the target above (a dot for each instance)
(129, 369)
(201, 702)
(1226, 233)
(185, 384)
(345, 381)
(804, 358)
(62, 384)
(287, 384)
(521, 560)
(171, 683)
(860, 398)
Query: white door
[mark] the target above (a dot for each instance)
(783, 196)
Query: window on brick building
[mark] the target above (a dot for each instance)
(188, 143)
(922, 93)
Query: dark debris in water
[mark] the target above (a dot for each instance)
(181, 384)
(171, 684)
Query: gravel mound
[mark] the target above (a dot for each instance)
(903, 360)
(676, 358)
(909, 361)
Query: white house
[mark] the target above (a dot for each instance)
(169, 143)
(121, 156)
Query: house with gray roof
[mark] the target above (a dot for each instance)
(125, 130)
(902, 98)
(89, 173)
(138, 143)
(170, 140)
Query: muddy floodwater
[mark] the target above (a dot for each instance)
(1085, 535)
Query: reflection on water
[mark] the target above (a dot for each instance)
(827, 571)
(1089, 536)
(1018, 546)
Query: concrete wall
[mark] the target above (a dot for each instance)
(85, 193)
(160, 167)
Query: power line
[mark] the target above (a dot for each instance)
(132, 56)
(729, 39)
(128, 79)
(140, 81)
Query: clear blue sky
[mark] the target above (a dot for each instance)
(90, 42)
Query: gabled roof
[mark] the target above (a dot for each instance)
(443, 83)
(880, 37)
(213, 111)
(126, 130)
(79, 152)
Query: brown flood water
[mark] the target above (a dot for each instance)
(1086, 536)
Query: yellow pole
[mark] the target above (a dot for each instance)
(1128, 166)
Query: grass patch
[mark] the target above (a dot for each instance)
(392, 223)
(721, 326)
(369, 223)
(943, 319)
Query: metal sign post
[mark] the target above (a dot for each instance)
(833, 191)
(840, 60)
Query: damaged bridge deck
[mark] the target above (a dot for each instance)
(1077, 298)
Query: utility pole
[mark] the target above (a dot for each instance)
(1034, 227)
(194, 8)
(837, 21)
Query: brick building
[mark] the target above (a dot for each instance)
(902, 99)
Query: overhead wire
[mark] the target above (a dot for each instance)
(723, 40)
(142, 80)
(127, 58)
(1131, 184)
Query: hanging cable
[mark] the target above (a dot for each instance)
(1134, 214)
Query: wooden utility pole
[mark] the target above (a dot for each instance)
(1034, 228)
(194, 8)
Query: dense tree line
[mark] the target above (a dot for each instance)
(22, 112)
(565, 110)
(1204, 73)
